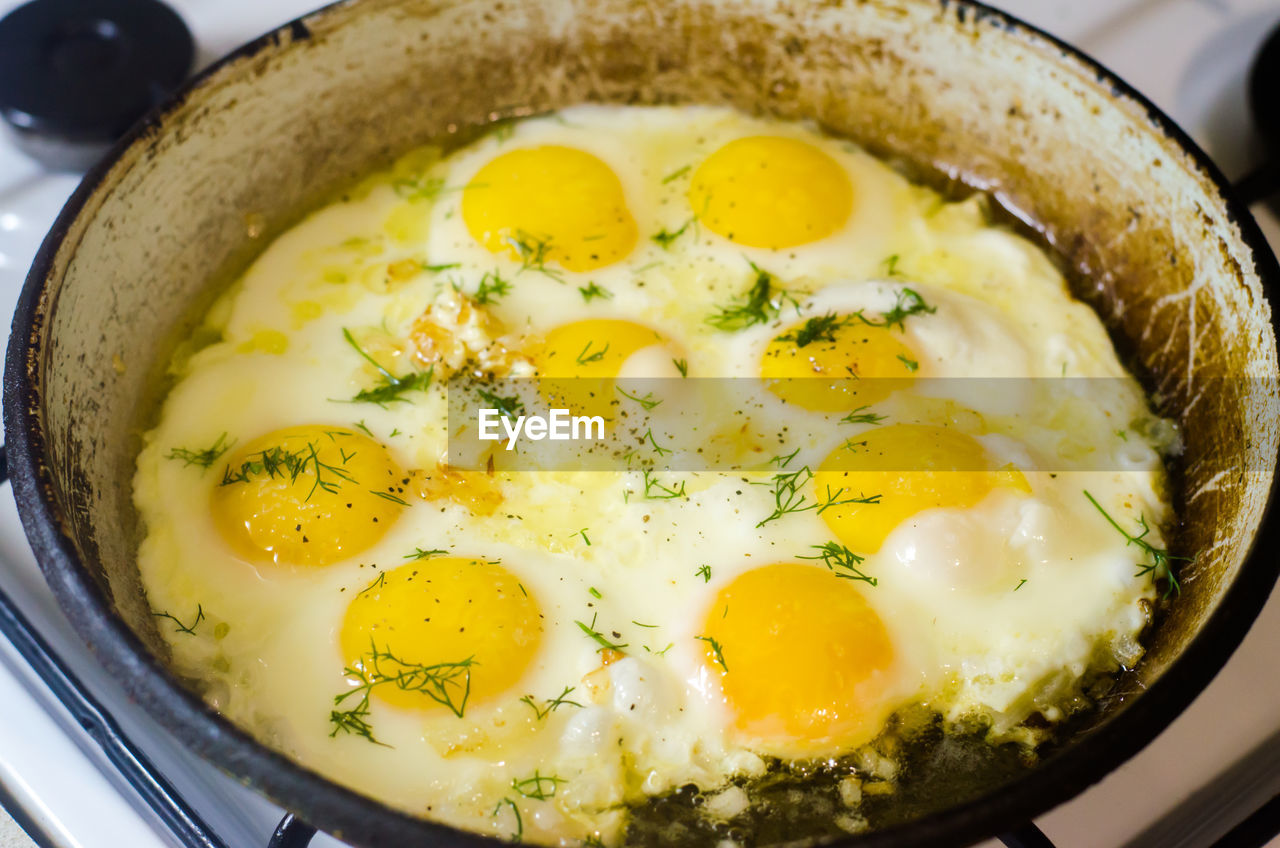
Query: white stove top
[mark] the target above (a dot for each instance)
(1189, 56)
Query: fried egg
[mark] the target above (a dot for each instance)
(865, 456)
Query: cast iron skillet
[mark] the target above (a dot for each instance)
(954, 91)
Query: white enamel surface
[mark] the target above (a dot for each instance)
(1187, 55)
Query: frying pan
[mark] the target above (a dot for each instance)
(954, 92)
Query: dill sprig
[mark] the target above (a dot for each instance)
(540, 787)
(179, 627)
(704, 572)
(422, 188)
(654, 489)
(818, 329)
(665, 238)
(715, 647)
(762, 303)
(533, 251)
(648, 402)
(591, 291)
(605, 644)
(515, 808)
(550, 705)
(419, 553)
(653, 442)
(491, 288)
(909, 302)
(682, 365)
(788, 498)
(204, 457)
(279, 462)
(447, 683)
(378, 583)
(1161, 561)
(842, 562)
(858, 416)
(508, 407)
(910, 363)
(676, 174)
(392, 387)
(586, 356)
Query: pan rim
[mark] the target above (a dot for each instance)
(349, 814)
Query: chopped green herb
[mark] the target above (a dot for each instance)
(860, 417)
(419, 553)
(515, 837)
(491, 288)
(278, 462)
(715, 647)
(911, 364)
(540, 787)
(447, 683)
(1021, 583)
(392, 387)
(179, 627)
(446, 266)
(1161, 561)
(664, 238)
(387, 496)
(533, 250)
(761, 305)
(605, 644)
(638, 624)
(508, 407)
(585, 356)
(583, 534)
(550, 705)
(909, 302)
(676, 174)
(842, 562)
(378, 583)
(654, 490)
(682, 365)
(657, 448)
(788, 499)
(363, 428)
(591, 290)
(204, 457)
(594, 592)
(647, 401)
(704, 572)
(820, 329)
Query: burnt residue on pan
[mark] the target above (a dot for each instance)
(948, 89)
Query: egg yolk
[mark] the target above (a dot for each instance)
(771, 192)
(446, 632)
(579, 361)
(309, 495)
(802, 659)
(550, 204)
(837, 364)
(912, 467)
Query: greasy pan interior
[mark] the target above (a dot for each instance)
(949, 89)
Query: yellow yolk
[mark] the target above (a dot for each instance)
(912, 467)
(802, 659)
(550, 204)
(771, 192)
(471, 622)
(578, 362)
(309, 495)
(847, 365)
